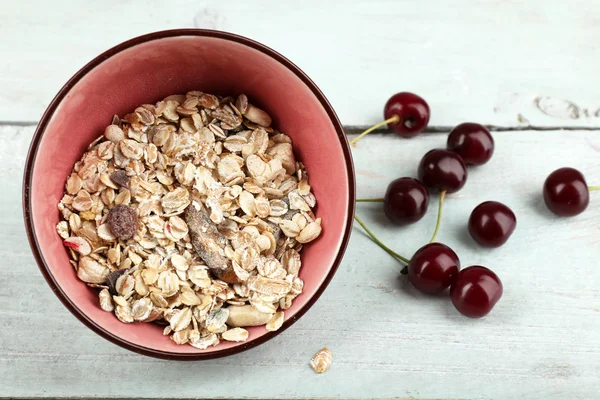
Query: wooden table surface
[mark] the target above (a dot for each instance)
(528, 69)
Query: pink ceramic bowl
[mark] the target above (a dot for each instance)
(145, 70)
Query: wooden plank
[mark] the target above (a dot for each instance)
(508, 64)
(387, 340)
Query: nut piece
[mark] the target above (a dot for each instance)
(122, 221)
(321, 361)
(240, 316)
(209, 243)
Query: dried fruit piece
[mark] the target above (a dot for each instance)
(122, 221)
(321, 361)
(121, 178)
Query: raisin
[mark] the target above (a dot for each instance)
(111, 280)
(120, 178)
(122, 221)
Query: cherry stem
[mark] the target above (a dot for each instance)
(592, 188)
(379, 243)
(378, 200)
(393, 120)
(439, 217)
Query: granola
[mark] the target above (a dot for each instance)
(191, 212)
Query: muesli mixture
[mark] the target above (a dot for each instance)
(191, 213)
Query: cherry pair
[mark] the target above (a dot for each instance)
(434, 267)
(474, 290)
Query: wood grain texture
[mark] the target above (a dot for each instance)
(503, 63)
(388, 341)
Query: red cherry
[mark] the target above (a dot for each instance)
(433, 268)
(475, 291)
(412, 111)
(472, 142)
(405, 201)
(491, 224)
(441, 169)
(566, 192)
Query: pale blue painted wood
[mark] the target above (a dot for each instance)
(541, 341)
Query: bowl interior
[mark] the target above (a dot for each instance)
(147, 72)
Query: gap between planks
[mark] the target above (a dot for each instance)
(209, 398)
(354, 129)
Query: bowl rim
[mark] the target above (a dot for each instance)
(32, 155)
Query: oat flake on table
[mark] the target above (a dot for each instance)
(321, 361)
(217, 162)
